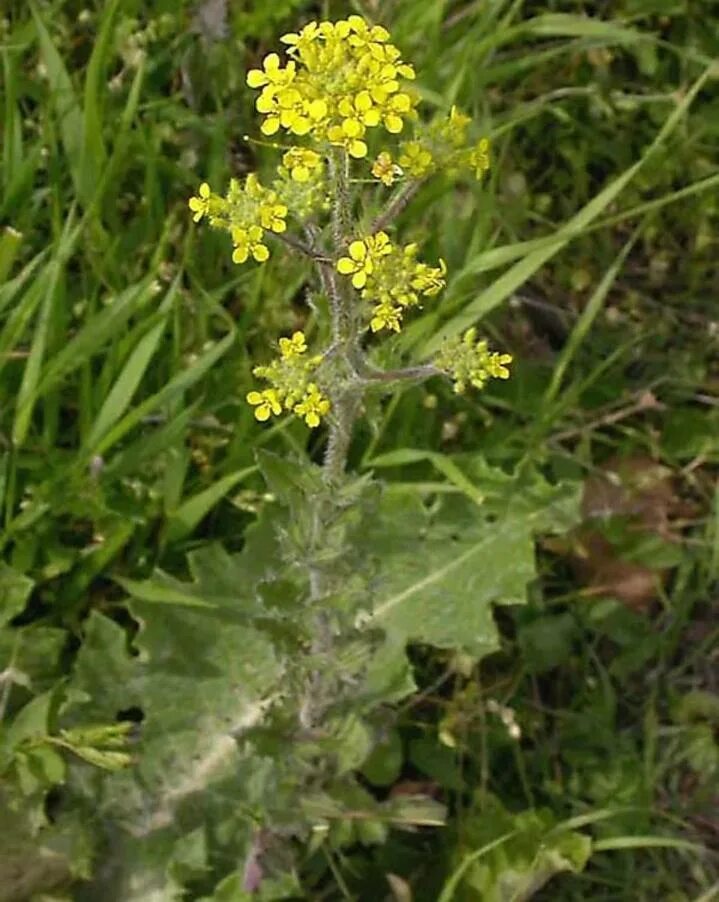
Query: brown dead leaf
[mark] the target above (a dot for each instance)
(401, 890)
(643, 491)
(416, 788)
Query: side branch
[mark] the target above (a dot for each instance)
(423, 371)
(303, 248)
(396, 205)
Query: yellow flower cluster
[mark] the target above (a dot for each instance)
(291, 387)
(440, 146)
(390, 278)
(343, 78)
(469, 361)
(246, 212)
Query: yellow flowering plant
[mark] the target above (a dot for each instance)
(337, 89)
(340, 90)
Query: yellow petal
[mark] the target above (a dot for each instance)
(345, 266)
(260, 253)
(359, 279)
(262, 413)
(270, 126)
(352, 128)
(317, 109)
(254, 398)
(256, 78)
(265, 103)
(358, 250)
(363, 101)
(239, 255)
(393, 124)
(358, 149)
(312, 420)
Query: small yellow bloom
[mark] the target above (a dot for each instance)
(385, 169)
(272, 217)
(249, 241)
(200, 205)
(479, 158)
(496, 365)
(358, 264)
(363, 254)
(415, 159)
(266, 403)
(273, 74)
(301, 163)
(429, 279)
(386, 316)
(313, 406)
(293, 347)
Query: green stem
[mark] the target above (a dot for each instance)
(396, 205)
(345, 402)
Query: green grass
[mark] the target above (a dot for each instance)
(127, 339)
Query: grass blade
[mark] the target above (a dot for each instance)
(67, 111)
(188, 515)
(588, 315)
(47, 289)
(523, 270)
(175, 387)
(126, 384)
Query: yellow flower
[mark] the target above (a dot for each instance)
(415, 159)
(385, 169)
(379, 245)
(265, 403)
(455, 128)
(273, 75)
(249, 241)
(386, 316)
(479, 158)
(301, 163)
(200, 205)
(429, 279)
(496, 365)
(364, 34)
(358, 264)
(293, 347)
(395, 107)
(272, 217)
(363, 254)
(313, 406)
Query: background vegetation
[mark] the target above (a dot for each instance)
(588, 743)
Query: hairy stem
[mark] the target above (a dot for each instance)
(345, 404)
(303, 248)
(395, 205)
(423, 371)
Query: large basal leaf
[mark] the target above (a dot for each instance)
(199, 684)
(438, 571)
